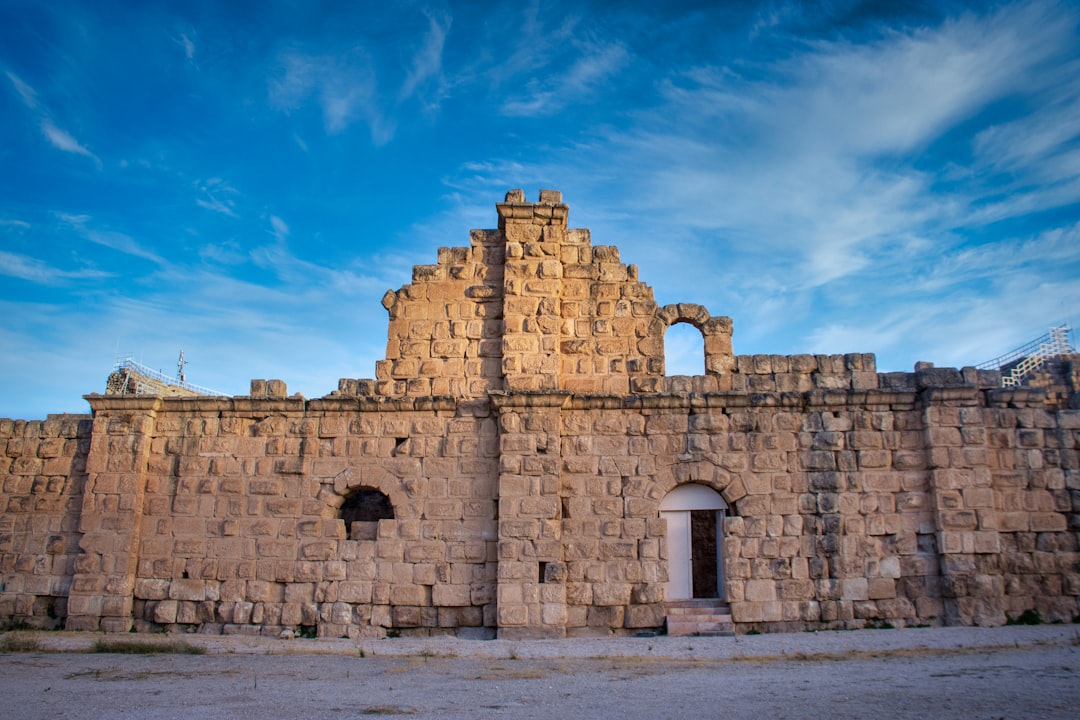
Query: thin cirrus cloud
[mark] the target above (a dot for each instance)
(299, 273)
(343, 86)
(62, 140)
(57, 137)
(36, 271)
(26, 93)
(188, 45)
(551, 94)
(346, 85)
(427, 64)
(217, 195)
(118, 241)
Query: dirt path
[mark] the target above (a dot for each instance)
(1038, 679)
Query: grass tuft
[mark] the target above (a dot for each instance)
(133, 647)
(20, 642)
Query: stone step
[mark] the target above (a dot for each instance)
(725, 610)
(696, 602)
(678, 627)
(700, 617)
(691, 607)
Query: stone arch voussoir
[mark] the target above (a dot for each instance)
(703, 472)
(691, 313)
(376, 478)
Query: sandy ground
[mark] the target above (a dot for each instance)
(1011, 672)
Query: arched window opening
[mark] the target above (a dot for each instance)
(684, 350)
(361, 512)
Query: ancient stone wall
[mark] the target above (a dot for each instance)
(42, 470)
(236, 524)
(504, 471)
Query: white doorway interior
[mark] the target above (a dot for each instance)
(695, 523)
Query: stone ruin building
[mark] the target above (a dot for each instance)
(522, 467)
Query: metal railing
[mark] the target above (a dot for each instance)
(141, 388)
(1024, 360)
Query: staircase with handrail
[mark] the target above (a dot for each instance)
(1025, 360)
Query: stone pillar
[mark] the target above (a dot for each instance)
(532, 288)
(532, 574)
(962, 498)
(112, 507)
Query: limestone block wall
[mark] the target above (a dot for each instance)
(848, 508)
(835, 527)
(239, 527)
(445, 332)
(42, 471)
(1034, 464)
(830, 525)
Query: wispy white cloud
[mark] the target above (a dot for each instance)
(304, 276)
(123, 243)
(21, 224)
(525, 39)
(548, 95)
(111, 239)
(188, 45)
(26, 93)
(62, 140)
(427, 63)
(344, 86)
(225, 253)
(59, 138)
(37, 271)
(1053, 254)
(217, 195)
(774, 14)
(279, 228)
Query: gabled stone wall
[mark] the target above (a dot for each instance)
(524, 434)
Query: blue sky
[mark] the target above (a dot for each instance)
(244, 180)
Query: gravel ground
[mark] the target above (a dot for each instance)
(1011, 672)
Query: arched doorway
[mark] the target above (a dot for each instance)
(695, 522)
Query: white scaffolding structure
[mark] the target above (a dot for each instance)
(138, 370)
(1026, 359)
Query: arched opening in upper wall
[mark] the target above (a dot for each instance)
(684, 350)
(362, 510)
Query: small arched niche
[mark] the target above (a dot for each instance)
(684, 350)
(362, 510)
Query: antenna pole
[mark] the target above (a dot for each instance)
(180, 366)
